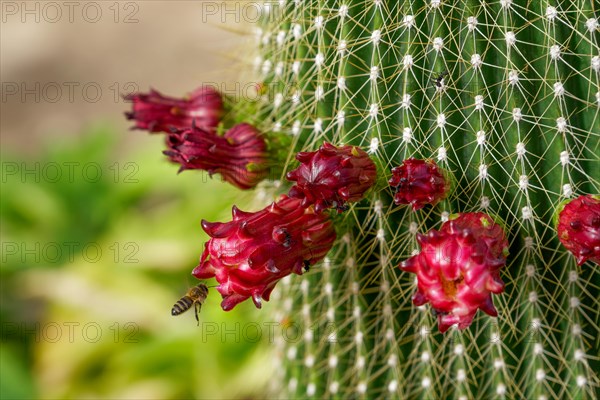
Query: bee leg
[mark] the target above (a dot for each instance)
(197, 310)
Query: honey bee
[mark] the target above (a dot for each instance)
(288, 239)
(306, 265)
(439, 79)
(195, 296)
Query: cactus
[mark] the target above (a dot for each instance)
(505, 97)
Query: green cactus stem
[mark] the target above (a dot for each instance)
(505, 95)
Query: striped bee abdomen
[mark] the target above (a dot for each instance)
(184, 304)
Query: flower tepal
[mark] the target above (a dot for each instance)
(419, 182)
(458, 268)
(332, 176)
(250, 254)
(156, 112)
(240, 156)
(579, 228)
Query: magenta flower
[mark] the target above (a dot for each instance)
(579, 228)
(332, 176)
(155, 112)
(458, 268)
(419, 182)
(250, 254)
(240, 156)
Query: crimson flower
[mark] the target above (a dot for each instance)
(240, 155)
(250, 254)
(155, 112)
(458, 268)
(579, 228)
(332, 176)
(418, 182)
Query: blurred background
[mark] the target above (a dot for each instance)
(99, 234)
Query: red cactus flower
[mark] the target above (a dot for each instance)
(419, 182)
(240, 156)
(458, 268)
(250, 254)
(579, 228)
(158, 113)
(332, 176)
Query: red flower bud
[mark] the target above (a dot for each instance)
(458, 268)
(240, 155)
(157, 113)
(419, 182)
(250, 254)
(579, 228)
(332, 176)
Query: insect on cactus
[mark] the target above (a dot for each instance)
(502, 101)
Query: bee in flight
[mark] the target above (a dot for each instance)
(195, 296)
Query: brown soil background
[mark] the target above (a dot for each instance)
(172, 46)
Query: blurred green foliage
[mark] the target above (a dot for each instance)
(99, 236)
